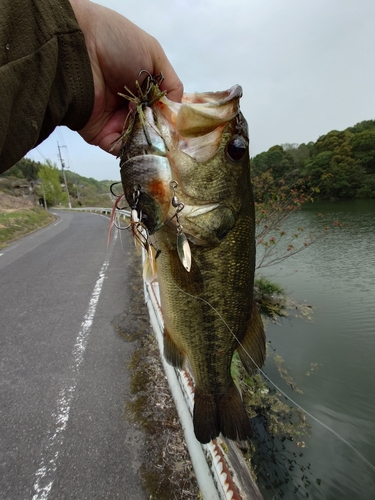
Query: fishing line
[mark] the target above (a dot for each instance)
(278, 388)
(120, 229)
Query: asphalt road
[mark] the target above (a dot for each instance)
(63, 365)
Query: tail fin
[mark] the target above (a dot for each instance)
(224, 413)
(205, 419)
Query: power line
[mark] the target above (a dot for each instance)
(41, 154)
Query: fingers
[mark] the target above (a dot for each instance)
(118, 51)
(111, 144)
(171, 83)
(174, 88)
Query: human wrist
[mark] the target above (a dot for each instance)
(82, 12)
(79, 7)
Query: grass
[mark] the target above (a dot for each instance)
(18, 223)
(270, 298)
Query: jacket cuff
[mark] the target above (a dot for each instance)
(73, 72)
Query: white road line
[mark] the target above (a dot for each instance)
(10, 248)
(45, 475)
(47, 228)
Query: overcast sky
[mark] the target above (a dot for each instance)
(306, 66)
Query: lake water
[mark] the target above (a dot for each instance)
(336, 276)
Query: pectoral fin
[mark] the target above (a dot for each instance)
(189, 282)
(252, 350)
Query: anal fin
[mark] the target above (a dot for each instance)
(172, 353)
(252, 350)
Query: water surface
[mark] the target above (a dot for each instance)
(336, 276)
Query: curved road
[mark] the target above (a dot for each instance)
(63, 366)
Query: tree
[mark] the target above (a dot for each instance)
(335, 166)
(333, 141)
(363, 148)
(318, 171)
(275, 159)
(49, 175)
(274, 204)
(24, 169)
(361, 126)
(300, 153)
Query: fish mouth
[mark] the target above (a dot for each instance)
(149, 163)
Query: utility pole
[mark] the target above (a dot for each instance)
(63, 172)
(44, 197)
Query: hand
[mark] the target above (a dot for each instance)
(118, 51)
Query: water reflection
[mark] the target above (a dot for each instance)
(337, 277)
(281, 470)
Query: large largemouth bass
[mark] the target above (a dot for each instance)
(186, 176)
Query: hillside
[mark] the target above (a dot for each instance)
(35, 181)
(341, 164)
(18, 217)
(10, 203)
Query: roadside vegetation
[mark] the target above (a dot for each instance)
(28, 186)
(14, 225)
(19, 217)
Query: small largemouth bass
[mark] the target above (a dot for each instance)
(186, 175)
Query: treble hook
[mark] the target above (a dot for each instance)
(154, 79)
(111, 188)
(136, 195)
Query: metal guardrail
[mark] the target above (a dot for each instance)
(220, 469)
(100, 210)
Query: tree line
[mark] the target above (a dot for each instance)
(339, 165)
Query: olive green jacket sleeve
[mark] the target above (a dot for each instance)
(45, 74)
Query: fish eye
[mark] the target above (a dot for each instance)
(236, 148)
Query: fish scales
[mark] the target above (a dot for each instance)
(197, 153)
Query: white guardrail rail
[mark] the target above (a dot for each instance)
(220, 468)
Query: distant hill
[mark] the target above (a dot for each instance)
(341, 163)
(25, 179)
